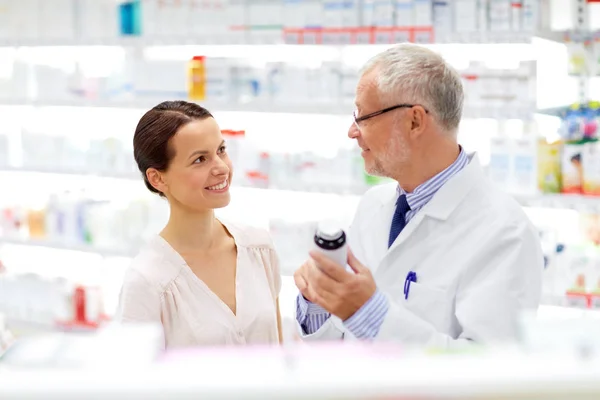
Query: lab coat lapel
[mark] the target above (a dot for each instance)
(408, 230)
(380, 233)
(442, 204)
(375, 237)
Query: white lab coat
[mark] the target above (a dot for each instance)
(477, 257)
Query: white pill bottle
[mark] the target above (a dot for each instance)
(330, 240)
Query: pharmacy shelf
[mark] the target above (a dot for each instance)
(134, 176)
(573, 305)
(562, 201)
(325, 188)
(564, 36)
(563, 301)
(321, 108)
(559, 200)
(554, 111)
(485, 38)
(318, 108)
(79, 247)
(321, 37)
(133, 41)
(287, 269)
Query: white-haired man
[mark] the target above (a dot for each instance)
(438, 258)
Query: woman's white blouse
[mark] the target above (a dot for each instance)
(160, 287)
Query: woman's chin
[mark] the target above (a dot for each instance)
(221, 203)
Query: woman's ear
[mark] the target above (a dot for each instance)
(156, 179)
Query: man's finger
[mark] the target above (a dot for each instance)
(320, 281)
(355, 264)
(311, 295)
(300, 282)
(329, 267)
(303, 287)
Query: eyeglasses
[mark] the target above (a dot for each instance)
(376, 113)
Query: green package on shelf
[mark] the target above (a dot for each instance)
(375, 180)
(371, 180)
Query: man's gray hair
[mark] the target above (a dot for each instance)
(414, 74)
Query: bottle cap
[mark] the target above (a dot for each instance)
(329, 231)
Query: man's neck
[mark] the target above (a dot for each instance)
(429, 164)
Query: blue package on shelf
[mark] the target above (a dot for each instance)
(130, 18)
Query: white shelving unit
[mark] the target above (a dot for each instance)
(559, 201)
(350, 372)
(80, 247)
(283, 36)
(292, 186)
(319, 108)
(316, 108)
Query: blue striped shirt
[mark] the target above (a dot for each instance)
(367, 321)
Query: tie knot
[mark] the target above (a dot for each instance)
(402, 204)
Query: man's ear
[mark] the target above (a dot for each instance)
(156, 179)
(419, 120)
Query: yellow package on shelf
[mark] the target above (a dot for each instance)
(549, 166)
(591, 168)
(197, 78)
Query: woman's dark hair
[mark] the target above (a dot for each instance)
(154, 131)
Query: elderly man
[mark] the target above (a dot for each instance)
(438, 258)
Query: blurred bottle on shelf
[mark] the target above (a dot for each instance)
(13, 221)
(578, 149)
(74, 219)
(6, 337)
(549, 166)
(514, 162)
(197, 78)
(3, 151)
(36, 223)
(130, 22)
(572, 269)
(568, 161)
(32, 304)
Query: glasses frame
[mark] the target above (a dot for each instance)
(357, 120)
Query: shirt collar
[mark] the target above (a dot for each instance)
(425, 191)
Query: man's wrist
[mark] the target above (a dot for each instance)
(310, 316)
(366, 322)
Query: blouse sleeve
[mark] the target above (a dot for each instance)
(275, 273)
(139, 300)
(267, 258)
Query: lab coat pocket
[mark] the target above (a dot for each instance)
(428, 303)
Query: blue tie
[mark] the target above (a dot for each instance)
(399, 220)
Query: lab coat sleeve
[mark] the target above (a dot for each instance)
(503, 278)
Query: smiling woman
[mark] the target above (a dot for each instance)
(205, 281)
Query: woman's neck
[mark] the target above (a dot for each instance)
(191, 231)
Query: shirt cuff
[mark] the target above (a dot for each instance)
(310, 316)
(366, 322)
(301, 308)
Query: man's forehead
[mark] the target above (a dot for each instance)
(365, 87)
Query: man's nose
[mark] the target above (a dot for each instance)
(353, 131)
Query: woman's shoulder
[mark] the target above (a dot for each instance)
(154, 264)
(248, 235)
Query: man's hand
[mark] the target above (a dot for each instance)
(340, 292)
